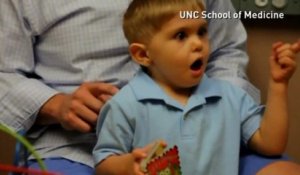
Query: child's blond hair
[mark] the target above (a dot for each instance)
(145, 17)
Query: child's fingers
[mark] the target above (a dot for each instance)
(137, 170)
(139, 153)
(276, 45)
(273, 61)
(142, 152)
(163, 143)
(286, 53)
(296, 47)
(148, 147)
(282, 47)
(286, 62)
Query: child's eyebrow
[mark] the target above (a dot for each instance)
(184, 27)
(204, 23)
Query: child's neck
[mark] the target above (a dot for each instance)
(180, 95)
(182, 98)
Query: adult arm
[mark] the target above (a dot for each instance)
(21, 94)
(77, 110)
(228, 58)
(24, 95)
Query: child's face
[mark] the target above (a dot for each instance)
(179, 52)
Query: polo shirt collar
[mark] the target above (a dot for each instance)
(145, 88)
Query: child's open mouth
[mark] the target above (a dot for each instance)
(196, 65)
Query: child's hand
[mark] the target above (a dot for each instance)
(153, 150)
(133, 160)
(282, 61)
(139, 154)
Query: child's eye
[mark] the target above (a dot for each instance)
(202, 31)
(180, 35)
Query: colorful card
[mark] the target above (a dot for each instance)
(162, 162)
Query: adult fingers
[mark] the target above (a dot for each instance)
(97, 88)
(89, 94)
(85, 113)
(74, 115)
(73, 122)
(104, 97)
(86, 98)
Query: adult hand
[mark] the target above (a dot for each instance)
(78, 110)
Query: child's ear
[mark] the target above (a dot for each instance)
(139, 54)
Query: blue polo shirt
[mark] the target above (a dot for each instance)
(207, 130)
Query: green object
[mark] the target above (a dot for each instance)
(25, 142)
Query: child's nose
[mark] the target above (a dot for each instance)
(197, 44)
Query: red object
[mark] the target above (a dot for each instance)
(29, 171)
(168, 163)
